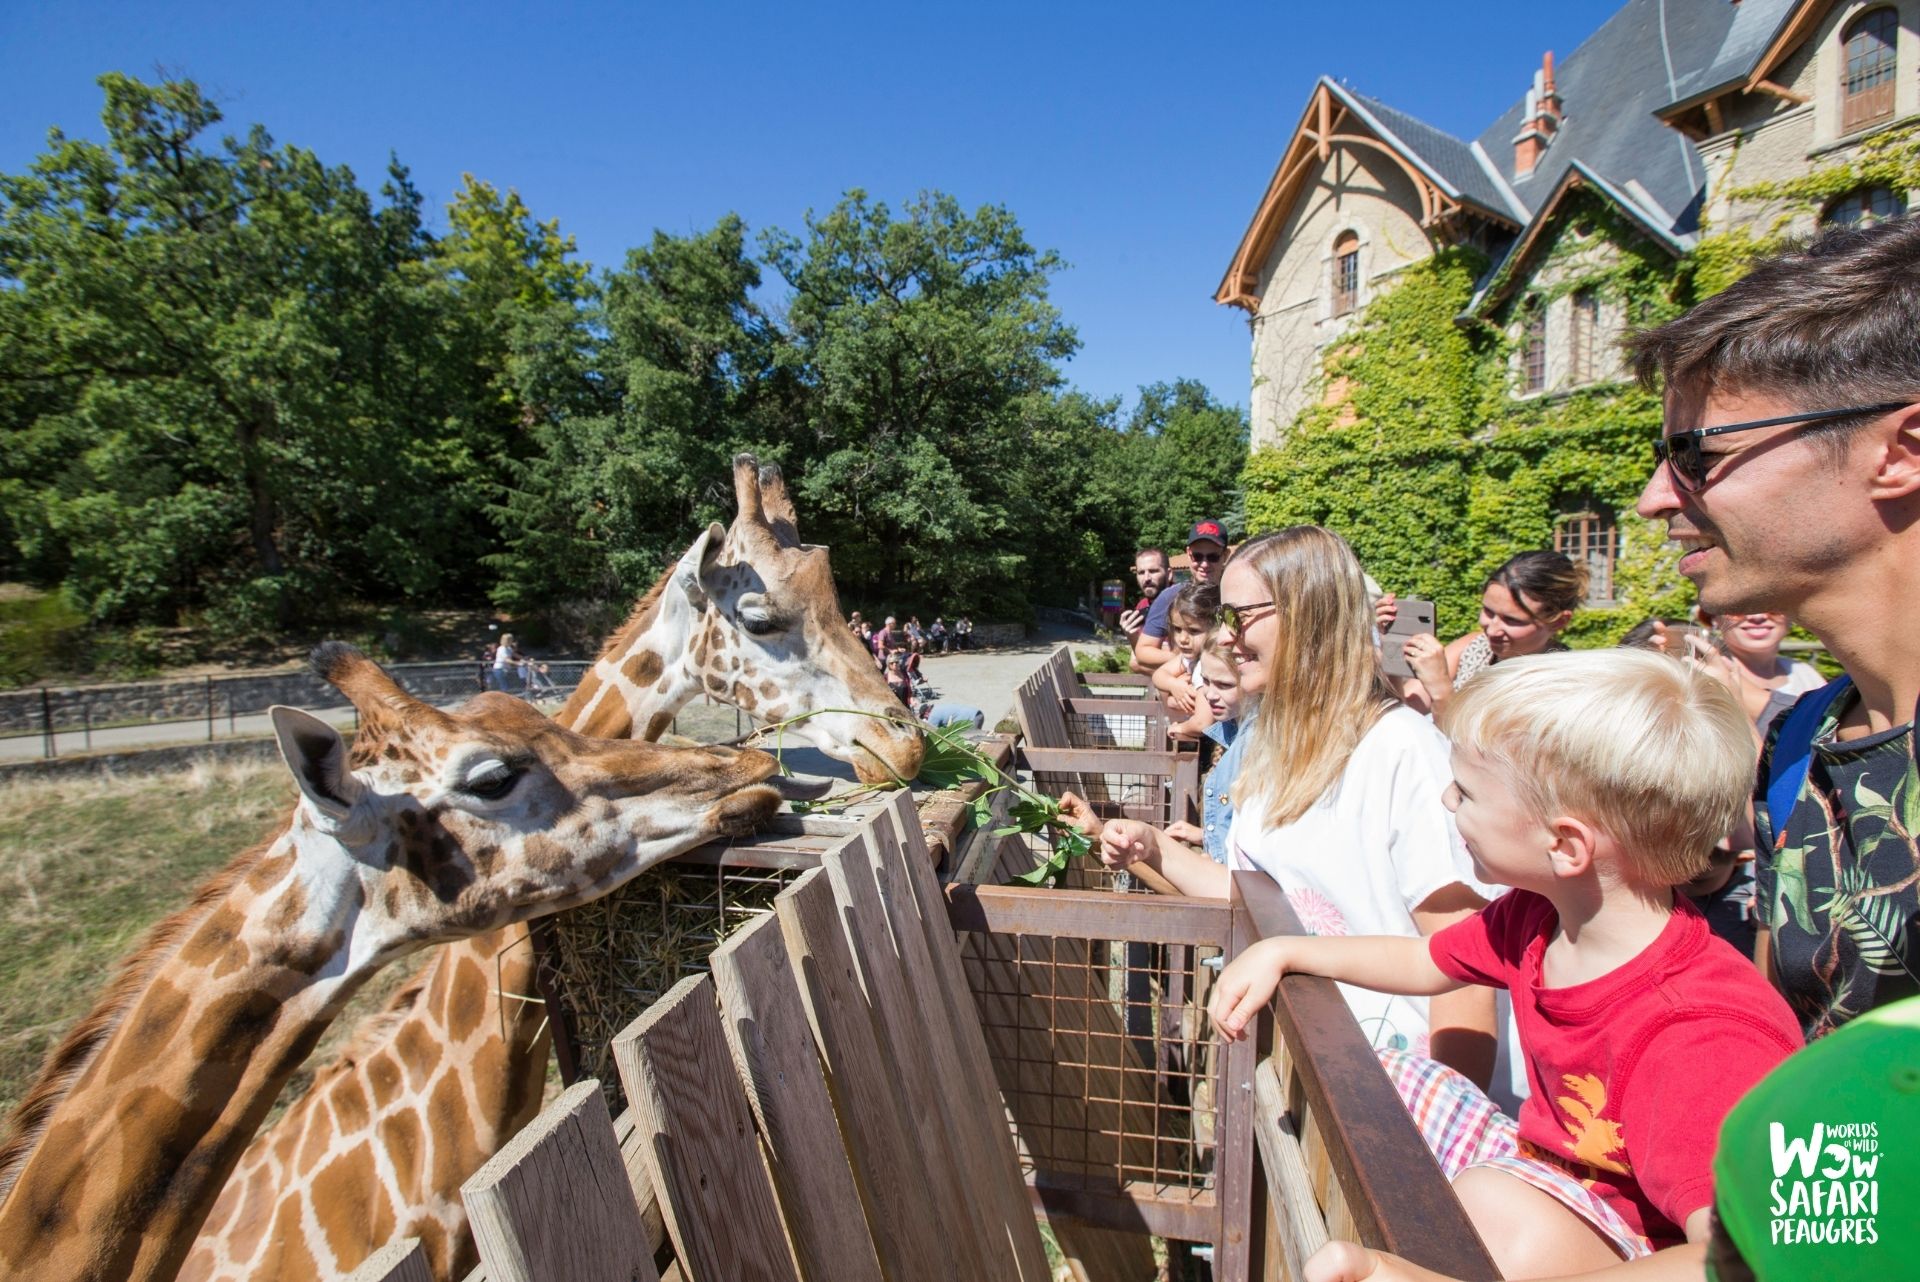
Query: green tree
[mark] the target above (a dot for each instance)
(926, 350)
(642, 401)
(215, 388)
(1194, 451)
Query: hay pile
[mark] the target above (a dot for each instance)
(616, 956)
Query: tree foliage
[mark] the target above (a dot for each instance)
(235, 386)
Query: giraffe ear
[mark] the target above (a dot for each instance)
(317, 758)
(698, 559)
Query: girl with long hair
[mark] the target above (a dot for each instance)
(1339, 794)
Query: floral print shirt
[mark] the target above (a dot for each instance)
(1840, 887)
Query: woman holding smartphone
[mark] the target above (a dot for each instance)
(1524, 607)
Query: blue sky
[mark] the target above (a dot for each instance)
(1134, 139)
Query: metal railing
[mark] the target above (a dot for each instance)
(89, 718)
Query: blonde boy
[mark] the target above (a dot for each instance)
(1593, 783)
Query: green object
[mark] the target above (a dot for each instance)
(1818, 1170)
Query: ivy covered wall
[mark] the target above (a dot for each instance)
(1424, 455)
(1421, 450)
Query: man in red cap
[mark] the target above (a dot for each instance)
(1206, 548)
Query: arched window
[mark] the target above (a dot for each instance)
(1864, 207)
(1866, 90)
(1588, 536)
(1533, 346)
(1346, 273)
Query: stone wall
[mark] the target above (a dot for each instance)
(23, 711)
(1358, 191)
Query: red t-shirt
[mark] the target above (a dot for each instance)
(1631, 1073)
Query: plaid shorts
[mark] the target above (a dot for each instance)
(1464, 1129)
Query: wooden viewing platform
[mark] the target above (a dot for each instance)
(885, 1076)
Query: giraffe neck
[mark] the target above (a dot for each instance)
(458, 1048)
(133, 1153)
(653, 667)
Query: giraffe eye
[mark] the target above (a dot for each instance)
(758, 622)
(491, 780)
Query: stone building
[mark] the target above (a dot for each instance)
(1665, 114)
(1677, 121)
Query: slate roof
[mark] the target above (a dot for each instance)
(1610, 87)
(1454, 162)
(1754, 26)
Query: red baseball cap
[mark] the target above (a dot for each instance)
(1208, 532)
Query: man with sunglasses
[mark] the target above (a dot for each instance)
(1206, 549)
(1789, 474)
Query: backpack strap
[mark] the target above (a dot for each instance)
(1793, 752)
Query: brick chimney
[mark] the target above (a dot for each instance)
(1539, 122)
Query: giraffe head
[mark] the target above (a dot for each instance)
(465, 821)
(770, 636)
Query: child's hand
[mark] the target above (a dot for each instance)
(1181, 696)
(1244, 988)
(1186, 834)
(1349, 1262)
(1125, 842)
(1075, 812)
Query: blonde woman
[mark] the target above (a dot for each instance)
(1339, 796)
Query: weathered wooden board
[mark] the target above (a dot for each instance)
(556, 1202)
(925, 1066)
(917, 914)
(882, 1139)
(697, 1134)
(766, 1029)
(398, 1261)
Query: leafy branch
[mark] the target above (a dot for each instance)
(950, 763)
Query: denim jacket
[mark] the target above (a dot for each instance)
(1216, 807)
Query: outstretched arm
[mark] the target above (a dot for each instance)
(1384, 963)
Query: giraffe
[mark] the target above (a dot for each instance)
(749, 614)
(437, 826)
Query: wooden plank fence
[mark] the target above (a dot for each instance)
(885, 1078)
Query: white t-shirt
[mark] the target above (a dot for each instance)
(1801, 677)
(1373, 848)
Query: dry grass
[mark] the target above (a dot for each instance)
(87, 865)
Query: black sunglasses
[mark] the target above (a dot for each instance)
(1207, 558)
(1681, 450)
(1238, 618)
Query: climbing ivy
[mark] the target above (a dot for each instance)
(1890, 159)
(1422, 455)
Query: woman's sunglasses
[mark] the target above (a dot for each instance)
(1236, 619)
(1681, 451)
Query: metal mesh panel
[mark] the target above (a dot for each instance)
(1104, 1059)
(1108, 729)
(1115, 794)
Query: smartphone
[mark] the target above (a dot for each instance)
(1414, 617)
(1677, 640)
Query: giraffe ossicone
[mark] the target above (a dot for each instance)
(454, 1067)
(435, 826)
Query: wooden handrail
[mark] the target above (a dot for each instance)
(1395, 1192)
